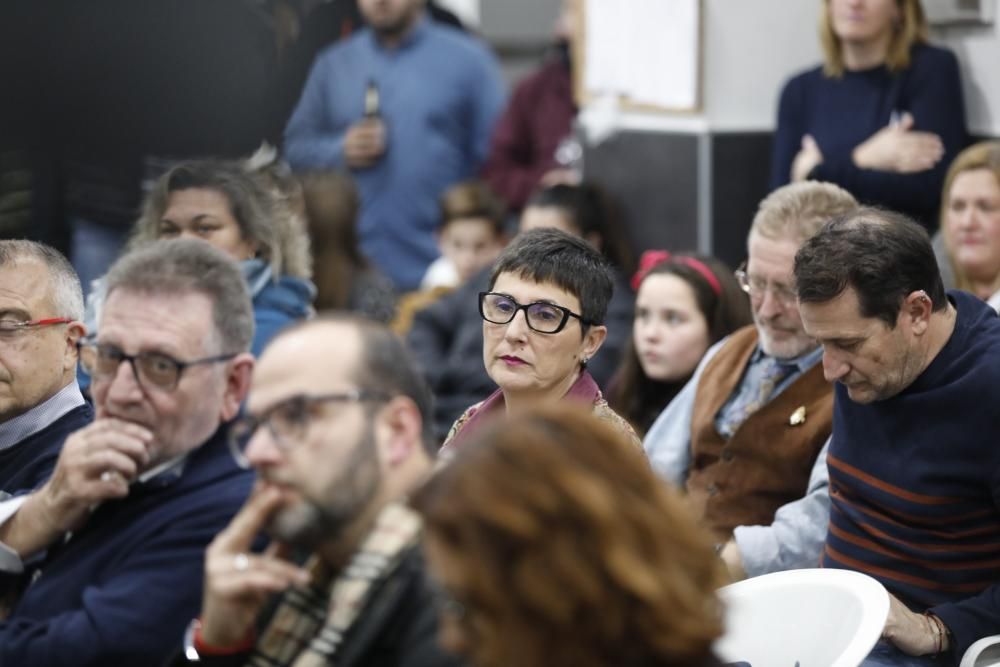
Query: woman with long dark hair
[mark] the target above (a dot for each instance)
(684, 304)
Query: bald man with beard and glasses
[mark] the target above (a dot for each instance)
(338, 430)
(746, 436)
(41, 308)
(110, 549)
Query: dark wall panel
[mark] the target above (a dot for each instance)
(740, 173)
(653, 177)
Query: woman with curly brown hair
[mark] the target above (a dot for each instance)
(555, 545)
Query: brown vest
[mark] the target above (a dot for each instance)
(742, 481)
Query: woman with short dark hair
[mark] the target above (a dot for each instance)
(543, 319)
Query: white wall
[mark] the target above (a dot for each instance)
(466, 10)
(750, 47)
(978, 51)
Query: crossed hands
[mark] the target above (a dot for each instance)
(896, 148)
(238, 583)
(899, 148)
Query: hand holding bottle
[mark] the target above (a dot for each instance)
(365, 141)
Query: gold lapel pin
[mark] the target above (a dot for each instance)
(798, 417)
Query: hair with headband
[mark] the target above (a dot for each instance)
(725, 307)
(652, 258)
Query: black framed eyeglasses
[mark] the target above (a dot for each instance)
(152, 369)
(287, 421)
(756, 287)
(546, 318)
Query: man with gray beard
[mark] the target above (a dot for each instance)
(746, 436)
(338, 430)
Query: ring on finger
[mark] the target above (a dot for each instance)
(111, 476)
(241, 562)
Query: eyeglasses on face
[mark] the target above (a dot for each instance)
(14, 328)
(287, 421)
(150, 369)
(546, 318)
(756, 287)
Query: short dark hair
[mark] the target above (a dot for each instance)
(181, 266)
(882, 255)
(552, 255)
(581, 203)
(592, 211)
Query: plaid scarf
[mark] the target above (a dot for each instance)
(309, 625)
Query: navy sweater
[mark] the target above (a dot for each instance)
(841, 113)
(26, 465)
(122, 590)
(915, 482)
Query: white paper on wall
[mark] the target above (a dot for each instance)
(644, 50)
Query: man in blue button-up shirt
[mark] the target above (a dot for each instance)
(408, 106)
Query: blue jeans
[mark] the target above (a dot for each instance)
(886, 655)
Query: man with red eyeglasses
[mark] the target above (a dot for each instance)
(41, 308)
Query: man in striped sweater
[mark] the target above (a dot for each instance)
(914, 466)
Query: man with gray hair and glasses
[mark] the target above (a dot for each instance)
(41, 308)
(746, 438)
(111, 547)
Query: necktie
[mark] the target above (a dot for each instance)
(773, 374)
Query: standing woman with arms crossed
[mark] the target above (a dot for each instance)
(882, 117)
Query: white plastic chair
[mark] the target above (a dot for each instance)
(983, 653)
(809, 618)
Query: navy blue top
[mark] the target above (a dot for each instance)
(915, 482)
(841, 113)
(27, 465)
(278, 304)
(123, 588)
